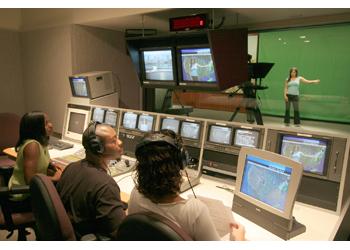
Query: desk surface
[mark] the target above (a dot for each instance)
(320, 223)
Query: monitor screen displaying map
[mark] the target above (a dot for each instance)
(129, 120)
(268, 180)
(171, 123)
(145, 122)
(310, 152)
(220, 134)
(190, 130)
(246, 138)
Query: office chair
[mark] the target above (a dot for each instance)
(150, 227)
(9, 127)
(10, 220)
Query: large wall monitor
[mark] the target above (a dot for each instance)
(223, 142)
(322, 158)
(266, 188)
(133, 126)
(76, 121)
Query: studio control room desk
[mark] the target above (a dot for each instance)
(320, 223)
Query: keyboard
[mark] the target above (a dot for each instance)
(59, 144)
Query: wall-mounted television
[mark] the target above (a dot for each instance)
(196, 67)
(158, 68)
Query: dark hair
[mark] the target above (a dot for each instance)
(32, 126)
(290, 72)
(158, 169)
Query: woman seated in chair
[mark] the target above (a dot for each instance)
(160, 158)
(32, 156)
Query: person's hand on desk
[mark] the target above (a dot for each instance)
(237, 231)
(55, 171)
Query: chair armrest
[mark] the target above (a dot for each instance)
(5, 191)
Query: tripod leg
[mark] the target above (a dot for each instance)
(234, 114)
(258, 116)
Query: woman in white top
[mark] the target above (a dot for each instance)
(291, 94)
(160, 158)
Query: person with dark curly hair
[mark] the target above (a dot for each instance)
(157, 190)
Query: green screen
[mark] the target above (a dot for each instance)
(318, 53)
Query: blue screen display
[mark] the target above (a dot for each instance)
(266, 181)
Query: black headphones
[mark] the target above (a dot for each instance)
(159, 138)
(91, 141)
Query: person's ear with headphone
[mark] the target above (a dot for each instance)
(101, 144)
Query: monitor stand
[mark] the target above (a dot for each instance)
(168, 108)
(283, 228)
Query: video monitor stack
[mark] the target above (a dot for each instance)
(322, 158)
(132, 128)
(223, 142)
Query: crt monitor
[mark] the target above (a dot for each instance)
(268, 180)
(171, 124)
(220, 134)
(111, 118)
(190, 130)
(129, 120)
(98, 115)
(77, 120)
(145, 122)
(196, 65)
(310, 152)
(246, 138)
(79, 86)
(157, 65)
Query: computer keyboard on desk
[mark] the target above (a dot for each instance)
(125, 165)
(58, 144)
(67, 159)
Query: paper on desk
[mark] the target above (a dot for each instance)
(220, 214)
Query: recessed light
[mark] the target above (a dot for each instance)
(307, 41)
(302, 37)
(279, 39)
(284, 42)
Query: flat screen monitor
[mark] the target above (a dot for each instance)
(171, 123)
(268, 180)
(220, 134)
(76, 122)
(79, 86)
(145, 122)
(111, 118)
(246, 138)
(157, 66)
(310, 152)
(190, 130)
(129, 120)
(98, 115)
(197, 65)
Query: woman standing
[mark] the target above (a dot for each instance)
(291, 94)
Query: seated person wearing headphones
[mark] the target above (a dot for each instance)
(161, 159)
(90, 196)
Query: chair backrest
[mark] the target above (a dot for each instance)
(50, 215)
(150, 227)
(9, 130)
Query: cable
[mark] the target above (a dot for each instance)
(190, 184)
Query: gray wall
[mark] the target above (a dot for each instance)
(102, 49)
(11, 88)
(46, 64)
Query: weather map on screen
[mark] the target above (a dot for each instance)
(158, 65)
(266, 181)
(197, 65)
(310, 152)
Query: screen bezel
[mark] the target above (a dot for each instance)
(157, 83)
(245, 129)
(297, 171)
(193, 122)
(68, 135)
(218, 143)
(326, 159)
(194, 84)
(71, 78)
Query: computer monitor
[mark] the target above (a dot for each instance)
(145, 122)
(171, 124)
(220, 134)
(98, 115)
(111, 118)
(196, 67)
(79, 87)
(246, 138)
(157, 66)
(129, 120)
(310, 152)
(77, 120)
(190, 130)
(268, 181)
